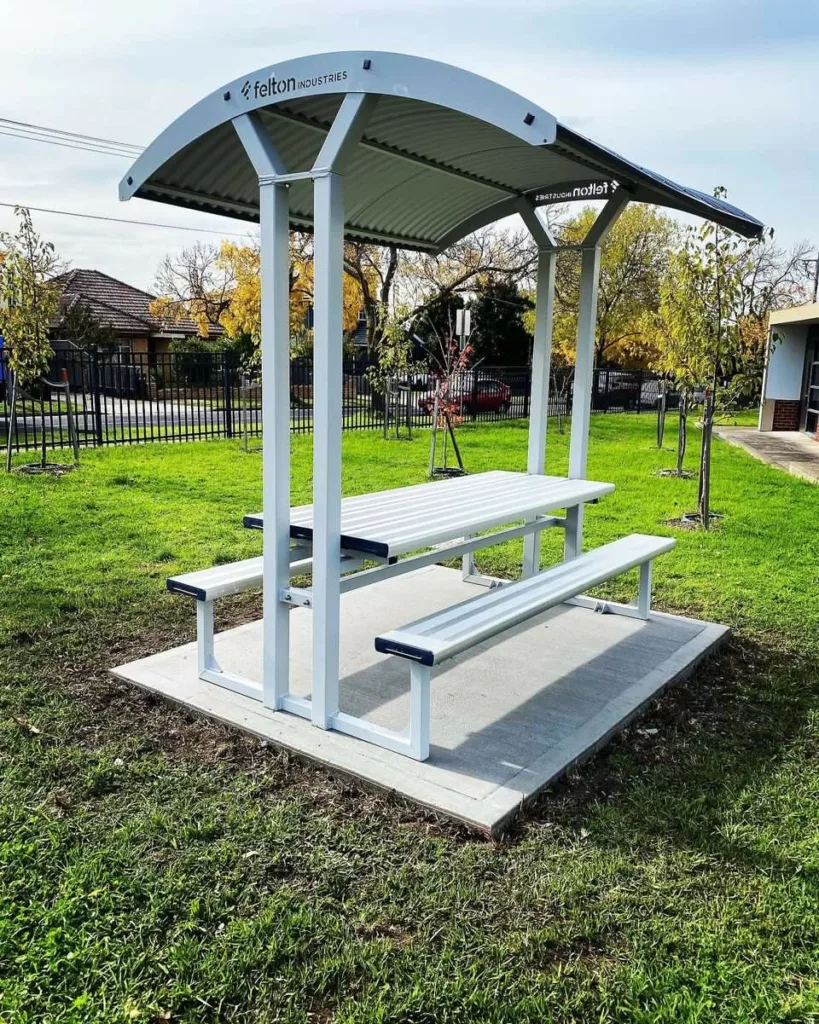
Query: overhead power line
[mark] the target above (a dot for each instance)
(70, 145)
(89, 144)
(68, 140)
(123, 220)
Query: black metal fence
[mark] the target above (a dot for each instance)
(191, 396)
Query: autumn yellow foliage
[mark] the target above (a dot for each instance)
(222, 287)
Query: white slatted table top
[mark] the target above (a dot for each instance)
(394, 522)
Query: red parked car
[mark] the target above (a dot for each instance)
(487, 395)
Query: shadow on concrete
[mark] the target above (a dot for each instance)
(523, 719)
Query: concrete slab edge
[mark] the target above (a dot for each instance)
(595, 734)
(492, 815)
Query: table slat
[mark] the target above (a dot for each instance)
(394, 522)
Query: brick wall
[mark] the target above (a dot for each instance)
(786, 415)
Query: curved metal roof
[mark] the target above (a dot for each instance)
(444, 152)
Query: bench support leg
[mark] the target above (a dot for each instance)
(467, 562)
(531, 554)
(210, 671)
(419, 712)
(411, 742)
(204, 637)
(573, 545)
(644, 593)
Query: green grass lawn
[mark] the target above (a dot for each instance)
(155, 867)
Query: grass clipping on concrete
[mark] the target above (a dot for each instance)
(156, 867)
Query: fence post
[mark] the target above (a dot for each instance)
(96, 397)
(474, 395)
(227, 395)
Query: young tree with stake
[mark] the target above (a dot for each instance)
(29, 300)
(700, 317)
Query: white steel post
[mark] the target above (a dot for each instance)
(328, 205)
(581, 390)
(275, 309)
(328, 280)
(275, 315)
(584, 360)
(539, 402)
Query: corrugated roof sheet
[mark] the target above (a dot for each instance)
(423, 168)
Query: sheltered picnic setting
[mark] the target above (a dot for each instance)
(461, 691)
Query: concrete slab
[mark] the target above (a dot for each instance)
(793, 451)
(508, 717)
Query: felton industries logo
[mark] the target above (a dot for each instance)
(576, 190)
(266, 88)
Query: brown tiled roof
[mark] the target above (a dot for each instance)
(125, 308)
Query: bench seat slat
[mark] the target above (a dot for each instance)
(220, 581)
(443, 634)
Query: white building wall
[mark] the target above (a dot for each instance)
(786, 363)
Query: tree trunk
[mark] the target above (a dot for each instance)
(43, 449)
(682, 433)
(433, 438)
(373, 319)
(12, 418)
(705, 462)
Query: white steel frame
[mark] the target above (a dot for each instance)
(328, 187)
(584, 359)
(252, 105)
(324, 596)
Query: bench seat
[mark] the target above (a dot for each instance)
(220, 581)
(206, 586)
(443, 634)
(431, 640)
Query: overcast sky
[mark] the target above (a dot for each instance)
(706, 92)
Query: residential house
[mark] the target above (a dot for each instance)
(125, 309)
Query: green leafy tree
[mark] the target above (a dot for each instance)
(82, 328)
(438, 321)
(395, 351)
(701, 319)
(500, 336)
(434, 287)
(633, 262)
(29, 299)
